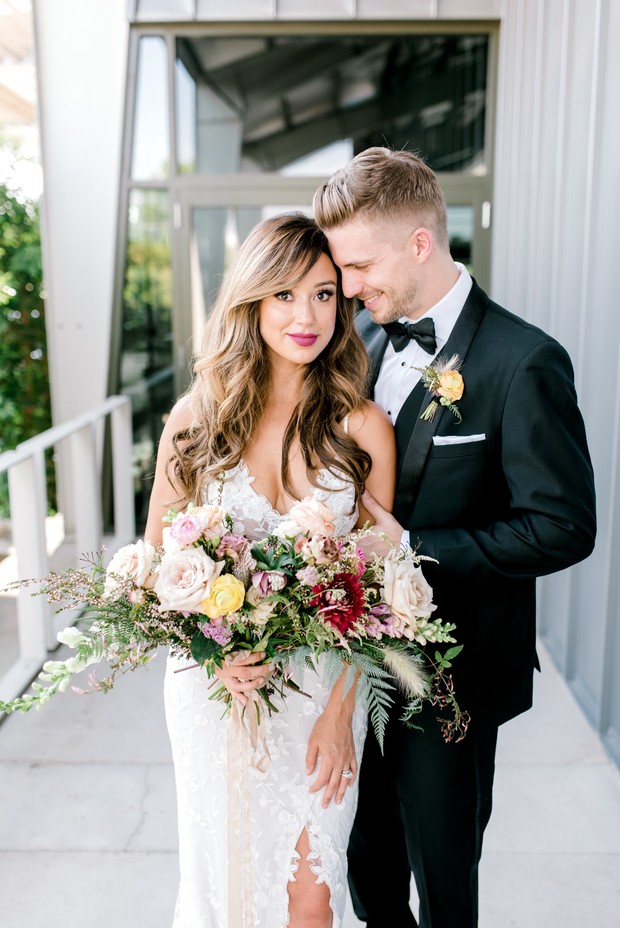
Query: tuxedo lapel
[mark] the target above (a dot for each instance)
(414, 435)
(375, 340)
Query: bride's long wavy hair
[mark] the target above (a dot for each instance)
(233, 374)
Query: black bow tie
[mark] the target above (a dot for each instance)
(422, 332)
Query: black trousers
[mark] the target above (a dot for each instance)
(423, 808)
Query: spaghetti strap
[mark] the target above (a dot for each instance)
(345, 425)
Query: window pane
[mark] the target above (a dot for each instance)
(186, 119)
(269, 103)
(146, 370)
(461, 234)
(151, 149)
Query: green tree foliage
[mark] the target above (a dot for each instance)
(24, 382)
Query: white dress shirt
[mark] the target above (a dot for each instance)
(398, 375)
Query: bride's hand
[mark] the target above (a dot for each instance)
(331, 746)
(244, 673)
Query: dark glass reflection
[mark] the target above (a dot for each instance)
(461, 234)
(267, 103)
(146, 371)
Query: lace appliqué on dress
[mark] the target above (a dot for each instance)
(254, 515)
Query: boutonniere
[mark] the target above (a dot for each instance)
(445, 382)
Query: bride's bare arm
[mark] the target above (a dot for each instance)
(373, 431)
(331, 745)
(165, 493)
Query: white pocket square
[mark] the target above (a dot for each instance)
(457, 439)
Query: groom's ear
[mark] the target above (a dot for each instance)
(421, 244)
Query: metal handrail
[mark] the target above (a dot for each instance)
(25, 465)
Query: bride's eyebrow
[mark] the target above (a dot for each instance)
(324, 283)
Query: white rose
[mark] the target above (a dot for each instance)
(287, 529)
(313, 517)
(407, 593)
(133, 562)
(185, 578)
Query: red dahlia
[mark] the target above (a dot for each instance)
(341, 603)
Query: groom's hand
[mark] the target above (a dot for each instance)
(384, 524)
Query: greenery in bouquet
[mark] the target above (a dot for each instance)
(299, 595)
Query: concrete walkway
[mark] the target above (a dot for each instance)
(88, 832)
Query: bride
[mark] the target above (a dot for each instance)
(276, 413)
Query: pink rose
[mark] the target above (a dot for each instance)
(313, 517)
(185, 578)
(197, 522)
(212, 519)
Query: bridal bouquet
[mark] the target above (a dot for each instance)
(299, 594)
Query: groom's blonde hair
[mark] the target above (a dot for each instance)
(386, 187)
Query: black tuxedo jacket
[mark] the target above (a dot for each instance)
(496, 512)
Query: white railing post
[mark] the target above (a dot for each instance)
(122, 476)
(37, 624)
(86, 490)
(28, 502)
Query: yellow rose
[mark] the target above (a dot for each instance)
(451, 386)
(226, 595)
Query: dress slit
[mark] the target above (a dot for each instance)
(314, 860)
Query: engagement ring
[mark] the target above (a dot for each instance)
(347, 774)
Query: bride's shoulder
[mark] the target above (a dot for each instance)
(372, 429)
(370, 420)
(179, 418)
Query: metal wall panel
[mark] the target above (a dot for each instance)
(601, 341)
(163, 10)
(317, 10)
(397, 9)
(215, 10)
(481, 9)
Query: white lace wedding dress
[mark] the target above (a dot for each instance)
(281, 806)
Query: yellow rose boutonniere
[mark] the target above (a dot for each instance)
(445, 382)
(226, 595)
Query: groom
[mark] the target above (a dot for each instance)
(498, 489)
